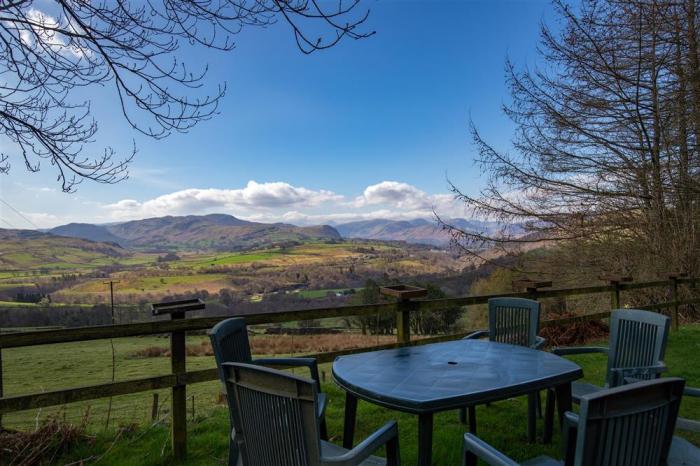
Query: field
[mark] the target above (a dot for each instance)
(502, 423)
(311, 270)
(51, 367)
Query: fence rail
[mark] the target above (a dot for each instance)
(180, 378)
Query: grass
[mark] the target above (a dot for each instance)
(169, 280)
(502, 424)
(315, 294)
(227, 259)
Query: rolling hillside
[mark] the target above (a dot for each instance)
(28, 249)
(216, 232)
(418, 231)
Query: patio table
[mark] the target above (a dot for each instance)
(438, 377)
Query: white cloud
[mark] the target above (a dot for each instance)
(267, 202)
(43, 28)
(402, 196)
(254, 196)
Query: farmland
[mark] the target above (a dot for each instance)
(313, 268)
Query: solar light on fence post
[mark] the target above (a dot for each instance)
(615, 281)
(178, 354)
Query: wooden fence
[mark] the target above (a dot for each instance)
(179, 378)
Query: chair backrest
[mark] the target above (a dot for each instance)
(637, 338)
(631, 425)
(274, 416)
(514, 320)
(229, 340)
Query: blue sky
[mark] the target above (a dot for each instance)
(367, 129)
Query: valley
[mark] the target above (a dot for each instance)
(179, 257)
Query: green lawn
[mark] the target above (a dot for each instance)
(502, 424)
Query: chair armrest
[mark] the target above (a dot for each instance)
(477, 334)
(579, 350)
(382, 436)
(292, 362)
(539, 342)
(474, 445)
(626, 375)
(689, 424)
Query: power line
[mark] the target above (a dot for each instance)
(8, 223)
(19, 213)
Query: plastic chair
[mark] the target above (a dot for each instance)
(631, 425)
(274, 415)
(229, 340)
(636, 350)
(515, 321)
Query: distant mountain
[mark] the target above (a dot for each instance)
(87, 231)
(214, 232)
(29, 249)
(418, 231)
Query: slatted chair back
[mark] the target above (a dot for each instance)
(514, 320)
(631, 425)
(229, 340)
(274, 416)
(637, 339)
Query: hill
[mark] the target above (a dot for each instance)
(217, 232)
(418, 231)
(87, 231)
(29, 249)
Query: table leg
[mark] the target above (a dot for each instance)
(350, 415)
(548, 417)
(531, 416)
(425, 439)
(563, 395)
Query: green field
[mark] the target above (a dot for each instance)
(226, 259)
(57, 366)
(70, 274)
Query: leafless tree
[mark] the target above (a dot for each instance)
(49, 51)
(605, 155)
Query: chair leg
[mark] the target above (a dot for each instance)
(469, 459)
(472, 419)
(549, 416)
(393, 458)
(232, 453)
(324, 429)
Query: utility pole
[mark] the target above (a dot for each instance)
(111, 295)
(111, 343)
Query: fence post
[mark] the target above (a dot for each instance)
(403, 321)
(154, 407)
(1, 390)
(403, 295)
(530, 286)
(674, 297)
(615, 296)
(178, 355)
(615, 281)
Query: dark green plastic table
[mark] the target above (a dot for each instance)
(427, 379)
